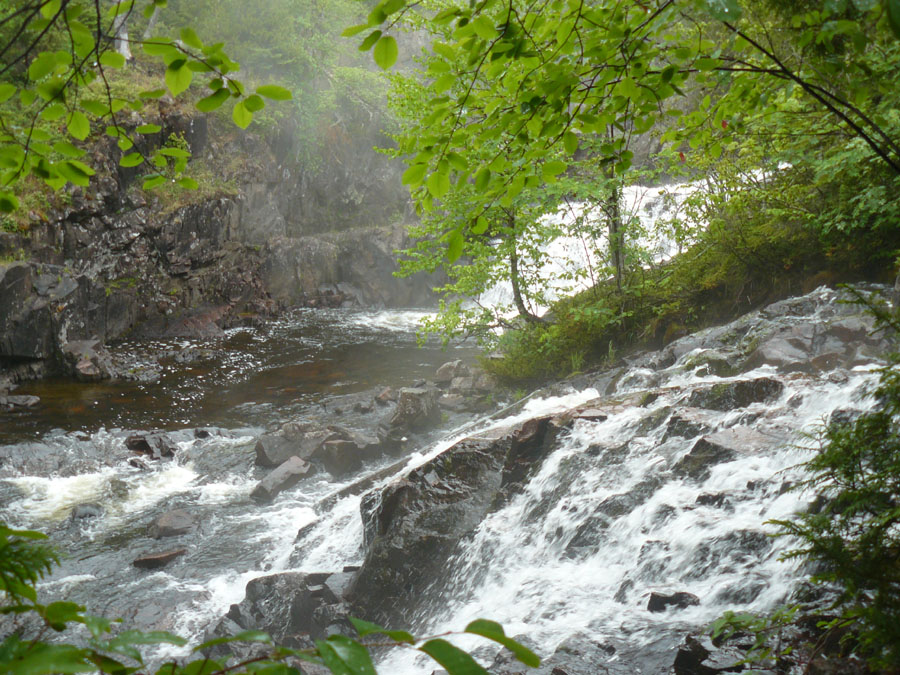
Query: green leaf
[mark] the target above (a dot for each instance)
(455, 243)
(385, 52)
(452, 658)
(274, 92)
(54, 112)
(178, 77)
(254, 103)
(345, 655)
(132, 159)
(58, 614)
(153, 181)
(46, 659)
(414, 175)
(494, 631)
(354, 30)
(570, 142)
(6, 91)
(67, 149)
(78, 125)
(213, 101)
(190, 38)
(241, 116)
(43, 65)
(370, 40)
(112, 59)
(95, 107)
(553, 168)
(8, 203)
(174, 152)
(245, 636)
(368, 628)
(153, 93)
(149, 129)
(893, 13)
(438, 184)
(482, 178)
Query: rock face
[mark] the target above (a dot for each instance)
(110, 259)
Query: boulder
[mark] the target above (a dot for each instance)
(340, 457)
(660, 602)
(718, 448)
(152, 561)
(450, 370)
(88, 360)
(413, 524)
(293, 607)
(726, 396)
(155, 445)
(286, 476)
(292, 440)
(173, 524)
(417, 409)
(87, 510)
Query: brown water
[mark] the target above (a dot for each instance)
(251, 377)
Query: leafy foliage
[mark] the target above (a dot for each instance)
(23, 562)
(56, 88)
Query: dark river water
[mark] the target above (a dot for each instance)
(251, 377)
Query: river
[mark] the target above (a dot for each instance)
(610, 516)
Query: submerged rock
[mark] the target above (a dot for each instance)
(154, 445)
(173, 524)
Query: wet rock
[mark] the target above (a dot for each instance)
(417, 409)
(294, 608)
(688, 423)
(450, 370)
(154, 445)
(153, 561)
(453, 402)
(660, 602)
(415, 523)
(462, 385)
(386, 396)
(577, 655)
(340, 457)
(88, 360)
(173, 524)
(88, 510)
(286, 476)
(18, 402)
(718, 448)
(292, 440)
(726, 396)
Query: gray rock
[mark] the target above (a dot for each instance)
(152, 561)
(450, 370)
(173, 524)
(726, 396)
(286, 476)
(340, 457)
(88, 510)
(12, 402)
(688, 423)
(154, 445)
(719, 448)
(417, 409)
(660, 602)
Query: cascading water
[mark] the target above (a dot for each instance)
(615, 512)
(576, 260)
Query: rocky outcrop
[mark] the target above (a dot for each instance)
(111, 260)
(417, 521)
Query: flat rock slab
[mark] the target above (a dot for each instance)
(153, 561)
(725, 396)
(283, 478)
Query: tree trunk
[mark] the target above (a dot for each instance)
(613, 209)
(148, 32)
(517, 291)
(120, 33)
